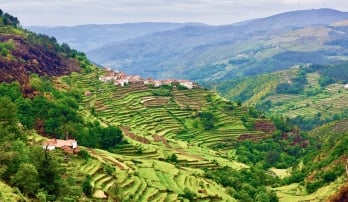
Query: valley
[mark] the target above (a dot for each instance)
(313, 101)
(276, 134)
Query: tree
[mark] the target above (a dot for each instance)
(87, 187)
(207, 119)
(26, 179)
(8, 111)
(172, 158)
(262, 197)
(271, 157)
(110, 136)
(188, 194)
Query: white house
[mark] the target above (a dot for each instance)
(187, 84)
(346, 86)
(69, 146)
(121, 82)
(106, 78)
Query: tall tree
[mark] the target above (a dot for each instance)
(26, 179)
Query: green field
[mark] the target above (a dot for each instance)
(157, 127)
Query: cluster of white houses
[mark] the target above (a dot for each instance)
(121, 79)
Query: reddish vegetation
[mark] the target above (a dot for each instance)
(341, 195)
(252, 137)
(341, 126)
(265, 126)
(296, 138)
(32, 58)
(125, 130)
(39, 127)
(158, 101)
(162, 139)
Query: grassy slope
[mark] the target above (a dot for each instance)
(8, 193)
(331, 136)
(329, 101)
(296, 192)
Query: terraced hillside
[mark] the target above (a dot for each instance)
(167, 142)
(174, 116)
(330, 161)
(311, 101)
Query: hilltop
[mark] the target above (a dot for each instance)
(24, 53)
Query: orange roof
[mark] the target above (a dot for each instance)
(59, 143)
(62, 143)
(52, 142)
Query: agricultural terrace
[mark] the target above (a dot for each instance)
(171, 134)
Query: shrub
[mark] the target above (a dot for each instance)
(329, 176)
(87, 187)
(314, 186)
(188, 194)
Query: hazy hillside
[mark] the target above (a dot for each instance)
(309, 95)
(211, 53)
(88, 37)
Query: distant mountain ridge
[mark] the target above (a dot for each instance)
(214, 53)
(209, 54)
(90, 36)
(301, 18)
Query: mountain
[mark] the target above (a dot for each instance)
(214, 53)
(137, 142)
(87, 37)
(147, 142)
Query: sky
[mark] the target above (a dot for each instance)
(214, 12)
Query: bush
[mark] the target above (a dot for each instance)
(314, 186)
(188, 194)
(87, 187)
(172, 158)
(329, 176)
(207, 119)
(84, 154)
(108, 169)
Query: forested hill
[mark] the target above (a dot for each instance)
(23, 53)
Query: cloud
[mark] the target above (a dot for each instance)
(73, 12)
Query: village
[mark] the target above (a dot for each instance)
(121, 79)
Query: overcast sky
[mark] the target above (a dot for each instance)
(215, 12)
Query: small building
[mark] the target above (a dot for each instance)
(187, 84)
(157, 83)
(106, 78)
(167, 82)
(121, 82)
(346, 86)
(68, 146)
